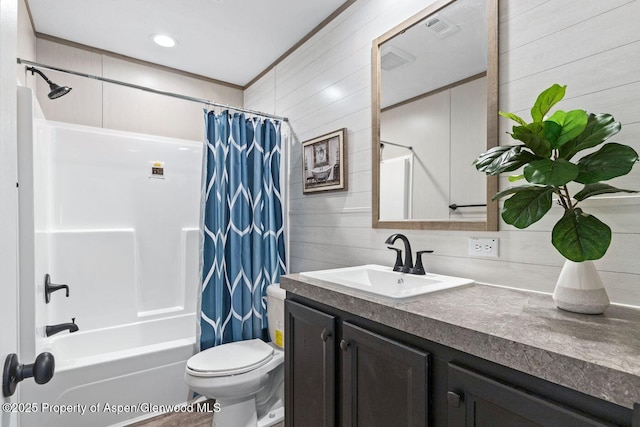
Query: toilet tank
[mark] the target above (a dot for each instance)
(275, 312)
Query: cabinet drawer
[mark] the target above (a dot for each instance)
(479, 401)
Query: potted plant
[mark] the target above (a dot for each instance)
(548, 149)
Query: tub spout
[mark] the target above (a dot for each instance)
(54, 329)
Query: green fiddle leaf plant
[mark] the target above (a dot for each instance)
(547, 149)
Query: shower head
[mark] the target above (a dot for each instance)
(55, 91)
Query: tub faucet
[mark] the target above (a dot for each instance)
(54, 329)
(408, 260)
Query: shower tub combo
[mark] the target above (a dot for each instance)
(115, 216)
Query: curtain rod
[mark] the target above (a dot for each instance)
(397, 145)
(148, 89)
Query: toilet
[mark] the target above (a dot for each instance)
(245, 377)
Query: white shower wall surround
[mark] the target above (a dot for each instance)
(111, 222)
(126, 243)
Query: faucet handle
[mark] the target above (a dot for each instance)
(398, 264)
(51, 287)
(419, 269)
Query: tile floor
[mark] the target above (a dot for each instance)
(195, 419)
(181, 420)
(177, 420)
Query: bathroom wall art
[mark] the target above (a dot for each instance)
(324, 163)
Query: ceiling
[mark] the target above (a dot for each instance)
(228, 40)
(437, 55)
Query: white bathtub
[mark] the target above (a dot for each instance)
(135, 364)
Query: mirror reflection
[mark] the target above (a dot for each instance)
(432, 107)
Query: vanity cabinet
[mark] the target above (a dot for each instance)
(344, 370)
(378, 381)
(384, 383)
(475, 400)
(310, 368)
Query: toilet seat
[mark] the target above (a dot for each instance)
(230, 359)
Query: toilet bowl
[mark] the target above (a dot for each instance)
(246, 378)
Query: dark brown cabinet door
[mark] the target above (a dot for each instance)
(478, 401)
(384, 383)
(310, 367)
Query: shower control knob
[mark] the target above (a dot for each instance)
(49, 288)
(41, 370)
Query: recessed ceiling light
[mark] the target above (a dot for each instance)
(163, 40)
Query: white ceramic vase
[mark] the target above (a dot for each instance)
(580, 290)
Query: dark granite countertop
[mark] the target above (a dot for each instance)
(596, 355)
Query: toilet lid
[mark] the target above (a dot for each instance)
(230, 359)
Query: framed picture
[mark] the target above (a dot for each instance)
(324, 163)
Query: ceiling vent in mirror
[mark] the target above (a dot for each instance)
(441, 26)
(392, 58)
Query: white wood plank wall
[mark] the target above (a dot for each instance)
(592, 46)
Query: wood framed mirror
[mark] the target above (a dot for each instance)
(435, 109)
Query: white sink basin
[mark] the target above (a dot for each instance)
(383, 281)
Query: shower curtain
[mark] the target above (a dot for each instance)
(243, 226)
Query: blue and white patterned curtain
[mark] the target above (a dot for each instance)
(243, 226)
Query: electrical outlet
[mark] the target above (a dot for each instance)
(486, 247)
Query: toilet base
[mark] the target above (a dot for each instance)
(274, 416)
(237, 414)
(243, 414)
